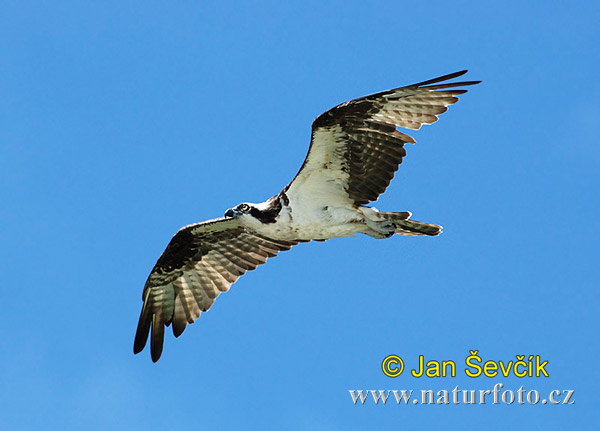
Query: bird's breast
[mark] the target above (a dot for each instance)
(315, 223)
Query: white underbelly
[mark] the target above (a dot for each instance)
(311, 225)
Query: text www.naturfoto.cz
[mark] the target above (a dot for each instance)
(460, 396)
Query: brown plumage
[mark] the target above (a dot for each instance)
(366, 130)
(201, 261)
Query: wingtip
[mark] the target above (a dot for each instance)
(178, 329)
(141, 335)
(140, 342)
(446, 78)
(459, 73)
(157, 338)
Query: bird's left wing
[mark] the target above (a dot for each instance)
(356, 147)
(201, 261)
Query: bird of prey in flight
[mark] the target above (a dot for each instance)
(355, 150)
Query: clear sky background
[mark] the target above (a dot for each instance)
(120, 122)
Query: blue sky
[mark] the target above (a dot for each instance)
(121, 122)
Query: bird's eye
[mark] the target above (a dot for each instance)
(244, 207)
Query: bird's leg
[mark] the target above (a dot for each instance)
(380, 229)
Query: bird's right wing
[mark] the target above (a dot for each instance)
(201, 261)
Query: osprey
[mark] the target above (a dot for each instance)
(355, 149)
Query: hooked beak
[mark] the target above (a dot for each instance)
(229, 213)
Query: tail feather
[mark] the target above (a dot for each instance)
(407, 227)
(413, 227)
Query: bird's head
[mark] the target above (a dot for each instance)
(250, 214)
(241, 209)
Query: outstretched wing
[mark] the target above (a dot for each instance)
(201, 261)
(356, 147)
